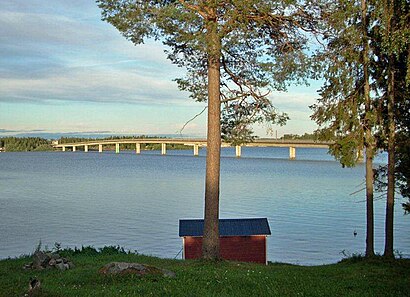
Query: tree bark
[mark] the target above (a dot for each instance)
(388, 244)
(369, 142)
(210, 243)
(369, 203)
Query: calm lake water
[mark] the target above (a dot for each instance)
(135, 201)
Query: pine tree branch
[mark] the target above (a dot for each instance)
(190, 120)
(194, 8)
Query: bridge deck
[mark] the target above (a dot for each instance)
(202, 142)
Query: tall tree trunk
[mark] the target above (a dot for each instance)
(369, 201)
(388, 244)
(210, 244)
(369, 142)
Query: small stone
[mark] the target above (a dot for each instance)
(61, 266)
(58, 261)
(52, 262)
(71, 265)
(66, 266)
(168, 273)
(28, 266)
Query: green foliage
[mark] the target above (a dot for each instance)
(261, 47)
(341, 111)
(351, 257)
(237, 119)
(25, 144)
(92, 251)
(391, 43)
(306, 136)
(345, 149)
(406, 207)
(200, 278)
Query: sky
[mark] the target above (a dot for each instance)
(64, 71)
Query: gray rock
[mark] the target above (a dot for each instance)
(168, 273)
(61, 266)
(134, 268)
(52, 262)
(40, 259)
(71, 265)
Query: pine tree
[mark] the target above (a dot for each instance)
(234, 53)
(392, 74)
(345, 112)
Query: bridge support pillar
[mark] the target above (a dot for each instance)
(138, 148)
(292, 153)
(163, 148)
(238, 150)
(63, 148)
(86, 148)
(100, 149)
(117, 148)
(74, 148)
(196, 150)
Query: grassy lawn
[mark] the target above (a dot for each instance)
(198, 278)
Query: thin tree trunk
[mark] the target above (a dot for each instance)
(210, 244)
(388, 245)
(369, 203)
(369, 143)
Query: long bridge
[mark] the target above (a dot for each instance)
(195, 143)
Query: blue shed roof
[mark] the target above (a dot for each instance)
(227, 227)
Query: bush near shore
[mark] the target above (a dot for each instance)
(352, 277)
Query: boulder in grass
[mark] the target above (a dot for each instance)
(40, 260)
(122, 268)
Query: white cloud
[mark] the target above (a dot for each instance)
(54, 57)
(94, 85)
(293, 100)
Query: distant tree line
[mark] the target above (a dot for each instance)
(306, 136)
(25, 144)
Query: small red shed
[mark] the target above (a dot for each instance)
(239, 239)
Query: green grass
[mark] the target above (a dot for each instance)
(197, 278)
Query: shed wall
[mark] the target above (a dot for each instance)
(238, 248)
